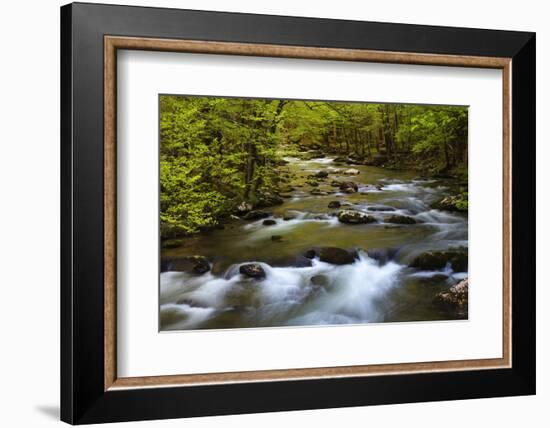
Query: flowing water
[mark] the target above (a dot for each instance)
(378, 287)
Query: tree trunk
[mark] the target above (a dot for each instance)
(446, 152)
(250, 166)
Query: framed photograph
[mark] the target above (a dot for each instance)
(265, 213)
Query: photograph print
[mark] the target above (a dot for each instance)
(282, 212)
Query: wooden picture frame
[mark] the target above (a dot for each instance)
(91, 390)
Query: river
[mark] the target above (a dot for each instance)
(378, 287)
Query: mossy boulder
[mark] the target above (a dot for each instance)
(256, 215)
(355, 217)
(321, 174)
(340, 159)
(310, 254)
(351, 171)
(456, 298)
(336, 256)
(289, 215)
(349, 187)
(318, 192)
(320, 280)
(436, 260)
(452, 203)
(252, 270)
(400, 219)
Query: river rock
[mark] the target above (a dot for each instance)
(335, 183)
(449, 203)
(288, 215)
(190, 264)
(400, 219)
(320, 280)
(455, 298)
(334, 204)
(252, 270)
(351, 171)
(336, 256)
(310, 254)
(276, 238)
(435, 260)
(318, 192)
(256, 215)
(321, 174)
(340, 159)
(243, 208)
(269, 222)
(355, 217)
(349, 187)
(285, 195)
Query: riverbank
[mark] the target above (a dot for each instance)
(401, 253)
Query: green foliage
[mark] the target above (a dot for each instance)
(218, 152)
(462, 203)
(214, 153)
(439, 133)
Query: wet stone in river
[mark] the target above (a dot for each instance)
(355, 217)
(351, 171)
(337, 256)
(256, 215)
(320, 285)
(434, 260)
(349, 187)
(252, 270)
(400, 219)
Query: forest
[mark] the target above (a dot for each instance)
(223, 156)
